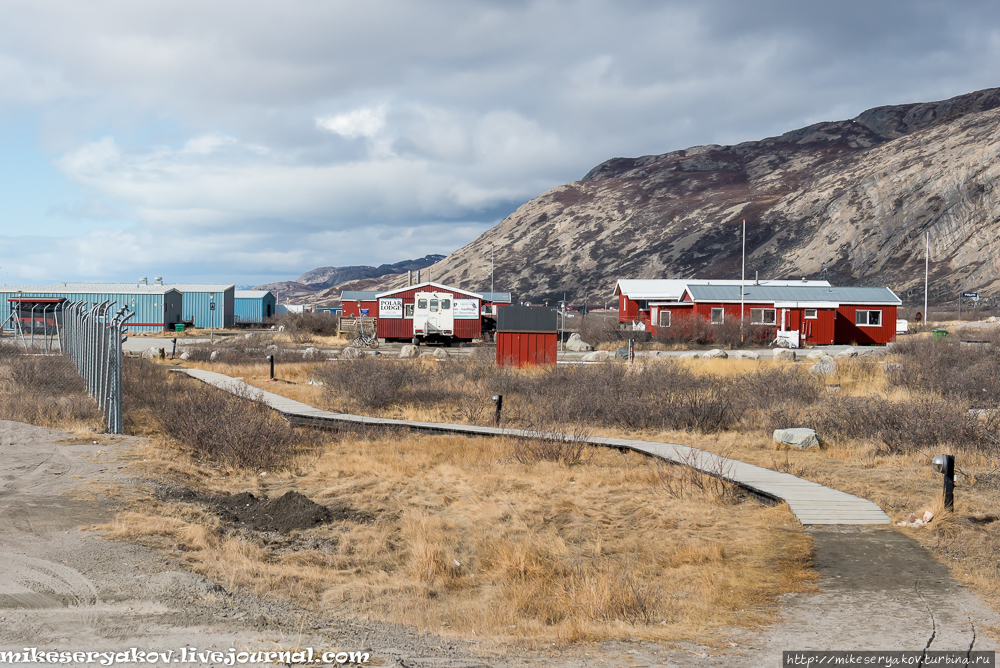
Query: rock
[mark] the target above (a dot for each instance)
(441, 354)
(875, 352)
(690, 356)
(351, 353)
(281, 328)
(154, 353)
(185, 355)
(409, 352)
(800, 438)
(844, 354)
(214, 356)
(825, 366)
(816, 354)
(272, 350)
(992, 318)
(311, 353)
(621, 353)
(717, 354)
(575, 344)
(747, 355)
(784, 354)
(248, 336)
(597, 356)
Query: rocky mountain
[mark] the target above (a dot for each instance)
(858, 195)
(323, 284)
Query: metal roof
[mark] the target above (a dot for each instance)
(794, 293)
(251, 294)
(671, 289)
(430, 284)
(496, 297)
(201, 287)
(358, 295)
(93, 288)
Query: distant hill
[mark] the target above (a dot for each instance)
(323, 284)
(856, 194)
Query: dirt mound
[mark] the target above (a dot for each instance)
(286, 513)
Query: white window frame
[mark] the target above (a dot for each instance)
(408, 311)
(868, 317)
(763, 320)
(814, 316)
(660, 318)
(722, 316)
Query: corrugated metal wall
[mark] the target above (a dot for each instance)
(253, 310)
(196, 306)
(520, 348)
(153, 312)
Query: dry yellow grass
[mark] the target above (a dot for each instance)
(466, 539)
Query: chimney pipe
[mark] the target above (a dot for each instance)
(418, 277)
(142, 281)
(159, 280)
(409, 277)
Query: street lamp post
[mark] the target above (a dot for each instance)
(211, 308)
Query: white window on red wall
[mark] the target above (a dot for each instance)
(718, 315)
(868, 318)
(763, 316)
(664, 319)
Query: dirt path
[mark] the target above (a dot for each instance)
(67, 589)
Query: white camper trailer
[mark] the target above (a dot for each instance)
(433, 315)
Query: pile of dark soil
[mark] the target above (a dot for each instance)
(286, 513)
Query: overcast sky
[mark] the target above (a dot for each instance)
(251, 141)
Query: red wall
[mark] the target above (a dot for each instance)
(628, 310)
(847, 332)
(520, 348)
(402, 328)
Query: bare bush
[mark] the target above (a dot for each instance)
(377, 383)
(44, 390)
(243, 352)
(303, 326)
(956, 371)
(596, 329)
(731, 333)
(608, 589)
(697, 474)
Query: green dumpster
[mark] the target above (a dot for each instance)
(179, 327)
(939, 334)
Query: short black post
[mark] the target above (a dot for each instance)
(270, 358)
(174, 351)
(631, 351)
(498, 400)
(945, 465)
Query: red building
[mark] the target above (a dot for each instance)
(526, 335)
(802, 312)
(465, 314)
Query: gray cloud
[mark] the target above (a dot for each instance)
(273, 137)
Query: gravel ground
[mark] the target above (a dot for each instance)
(63, 587)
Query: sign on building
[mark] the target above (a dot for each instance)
(390, 308)
(972, 295)
(466, 309)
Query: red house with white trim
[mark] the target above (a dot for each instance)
(802, 312)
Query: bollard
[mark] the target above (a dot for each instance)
(174, 351)
(946, 464)
(631, 351)
(498, 400)
(270, 358)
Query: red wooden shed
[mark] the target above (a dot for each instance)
(526, 335)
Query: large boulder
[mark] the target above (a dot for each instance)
(747, 355)
(846, 354)
(597, 356)
(409, 352)
(784, 354)
(352, 353)
(824, 366)
(441, 354)
(800, 438)
(155, 353)
(690, 356)
(717, 354)
(185, 355)
(816, 354)
(311, 353)
(621, 353)
(575, 344)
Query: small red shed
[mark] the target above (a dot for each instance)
(526, 335)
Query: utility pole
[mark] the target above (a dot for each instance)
(927, 269)
(491, 267)
(743, 279)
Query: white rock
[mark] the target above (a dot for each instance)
(351, 353)
(248, 336)
(575, 344)
(690, 356)
(281, 328)
(816, 354)
(154, 353)
(747, 355)
(311, 353)
(844, 354)
(825, 366)
(597, 356)
(800, 438)
(784, 354)
(441, 354)
(185, 355)
(409, 352)
(214, 356)
(717, 354)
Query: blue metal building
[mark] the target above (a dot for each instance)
(198, 300)
(156, 307)
(253, 307)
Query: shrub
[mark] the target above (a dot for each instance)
(303, 326)
(956, 371)
(731, 333)
(377, 383)
(44, 390)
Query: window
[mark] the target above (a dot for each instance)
(434, 305)
(422, 304)
(445, 304)
(868, 318)
(762, 316)
(811, 313)
(717, 315)
(664, 318)
(407, 310)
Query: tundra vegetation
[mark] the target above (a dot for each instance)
(506, 539)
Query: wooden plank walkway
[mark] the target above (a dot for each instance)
(811, 502)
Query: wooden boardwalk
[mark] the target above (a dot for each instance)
(811, 502)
